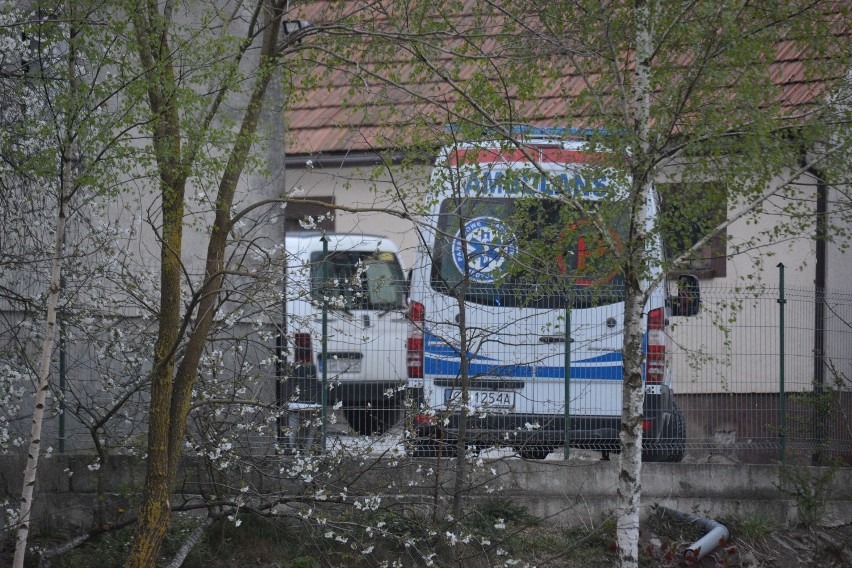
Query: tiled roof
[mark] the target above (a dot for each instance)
(350, 111)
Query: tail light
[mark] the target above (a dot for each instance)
(424, 419)
(303, 353)
(655, 360)
(414, 343)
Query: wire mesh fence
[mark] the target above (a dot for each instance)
(731, 381)
(756, 375)
(765, 370)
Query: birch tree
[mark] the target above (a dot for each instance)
(689, 91)
(65, 192)
(55, 109)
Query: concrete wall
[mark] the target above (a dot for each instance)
(566, 493)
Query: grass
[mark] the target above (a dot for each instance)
(499, 531)
(752, 526)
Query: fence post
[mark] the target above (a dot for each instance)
(782, 419)
(324, 394)
(567, 450)
(820, 269)
(818, 428)
(63, 368)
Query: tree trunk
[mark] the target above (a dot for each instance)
(633, 393)
(460, 487)
(152, 31)
(41, 389)
(633, 397)
(190, 542)
(155, 512)
(171, 390)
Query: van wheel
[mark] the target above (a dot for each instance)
(377, 418)
(671, 446)
(360, 420)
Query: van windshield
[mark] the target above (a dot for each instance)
(358, 280)
(527, 252)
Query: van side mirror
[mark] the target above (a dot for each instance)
(687, 300)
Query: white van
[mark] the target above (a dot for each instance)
(362, 282)
(523, 262)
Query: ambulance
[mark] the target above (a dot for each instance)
(518, 271)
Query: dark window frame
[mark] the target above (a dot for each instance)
(296, 212)
(712, 261)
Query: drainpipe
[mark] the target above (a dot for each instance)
(819, 312)
(717, 535)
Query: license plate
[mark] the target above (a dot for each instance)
(482, 398)
(344, 365)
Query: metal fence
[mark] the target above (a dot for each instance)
(766, 373)
(758, 375)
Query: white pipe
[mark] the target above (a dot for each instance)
(717, 535)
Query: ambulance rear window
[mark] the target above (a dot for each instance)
(527, 252)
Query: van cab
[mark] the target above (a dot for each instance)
(361, 283)
(517, 306)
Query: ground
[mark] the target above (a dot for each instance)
(752, 547)
(263, 543)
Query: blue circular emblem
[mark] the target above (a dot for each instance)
(489, 246)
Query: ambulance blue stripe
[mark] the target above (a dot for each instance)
(437, 348)
(449, 368)
(607, 373)
(610, 357)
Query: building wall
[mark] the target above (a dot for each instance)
(734, 344)
(381, 210)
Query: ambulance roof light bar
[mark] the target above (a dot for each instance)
(531, 133)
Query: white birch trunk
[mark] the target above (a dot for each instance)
(630, 460)
(40, 393)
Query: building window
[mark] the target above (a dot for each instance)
(298, 216)
(689, 211)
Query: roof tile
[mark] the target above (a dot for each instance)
(343, 114)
